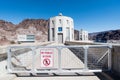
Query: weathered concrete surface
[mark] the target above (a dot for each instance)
(59, 78)
(116, 59)
(3, 72)
(7, 77)
(78, 43)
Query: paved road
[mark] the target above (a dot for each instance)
(59, 78)
(69, 60)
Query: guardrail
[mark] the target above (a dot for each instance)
(59, 59)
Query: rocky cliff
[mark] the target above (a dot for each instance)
(105, 35)
(37, 27)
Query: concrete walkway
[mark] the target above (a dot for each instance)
(59, 78)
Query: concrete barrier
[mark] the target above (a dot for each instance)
(78, 43)
(116, 60)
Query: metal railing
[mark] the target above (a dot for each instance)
(65, 59)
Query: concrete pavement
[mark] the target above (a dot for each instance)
(59, 78)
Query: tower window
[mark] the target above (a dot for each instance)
(60, 21)
(67, 22)
(71, 23)
(52, 22)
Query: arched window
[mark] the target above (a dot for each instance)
(60, 21)
(67, 22)
(53, 22)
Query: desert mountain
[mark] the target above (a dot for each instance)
(37, 27)
(105, 35)
(7, 26)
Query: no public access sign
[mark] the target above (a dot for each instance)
(46, 57)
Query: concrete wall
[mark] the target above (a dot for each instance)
(78, 43)
(116, 60)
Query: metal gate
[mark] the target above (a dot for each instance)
(62, 59)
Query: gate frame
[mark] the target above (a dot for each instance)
(59, 69)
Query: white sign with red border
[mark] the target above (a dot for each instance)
(46, 56)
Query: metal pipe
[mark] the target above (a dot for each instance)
(86, 57)
(109, 59)
(59, 59)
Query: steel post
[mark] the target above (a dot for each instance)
(33, 61)
(109, 59)
(59, 59)
(9, 65)
(85, 57)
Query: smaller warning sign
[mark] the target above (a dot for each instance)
(46, 57)
(46, 62)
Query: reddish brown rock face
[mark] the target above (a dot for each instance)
(37, 27)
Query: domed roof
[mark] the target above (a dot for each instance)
(60, 14)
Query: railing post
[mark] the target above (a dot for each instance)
(33, 60)
(86, 57)
(109, 59)
(9, 65)
(59, 59)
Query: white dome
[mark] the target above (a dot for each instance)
(60, 14)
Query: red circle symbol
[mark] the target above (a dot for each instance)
(46, 62)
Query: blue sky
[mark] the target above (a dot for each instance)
(91, 15)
